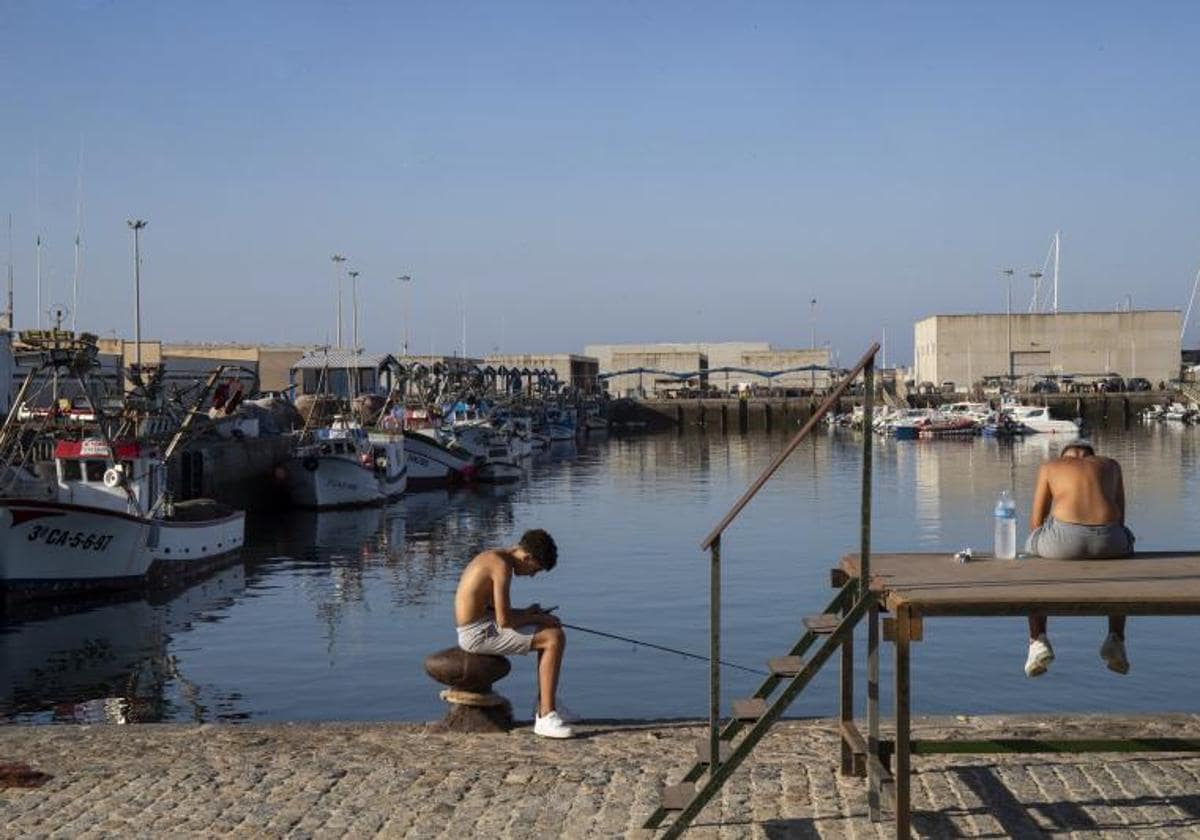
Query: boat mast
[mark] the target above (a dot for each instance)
(78, 237)
(1188, 313)
(8, 313)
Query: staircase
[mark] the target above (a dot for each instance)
(728, 743)
(752, 717)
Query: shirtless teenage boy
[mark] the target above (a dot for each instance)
(488, 622)
(1078, 514)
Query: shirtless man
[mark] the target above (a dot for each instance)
(489, 623)
(1078, 514)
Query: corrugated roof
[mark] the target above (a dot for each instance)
(342, 359)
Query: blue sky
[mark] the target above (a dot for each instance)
(597, 172)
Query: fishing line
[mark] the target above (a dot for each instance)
(661, 647)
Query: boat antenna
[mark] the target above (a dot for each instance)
(1188, 313)
(37, 223)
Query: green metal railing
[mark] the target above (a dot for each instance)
(712, 542)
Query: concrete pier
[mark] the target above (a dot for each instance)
(761, 414)
(397, 780)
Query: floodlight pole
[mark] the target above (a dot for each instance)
(1008, 273)
(812, 323)
(354, 304)
(338, 259)
(406, 283)
(136, 226)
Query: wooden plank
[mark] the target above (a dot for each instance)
(916, 630)
(823, 624)
(887, 783)
(873, 778)
(677, 797)
(838, 578)
(854, 744)
(785, 666)
(702, 750)
(751, 708)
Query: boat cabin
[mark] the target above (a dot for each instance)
(88, 474)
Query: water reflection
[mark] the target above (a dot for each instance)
(112, 662)
(336, 610)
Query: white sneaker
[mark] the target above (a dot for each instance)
(1040, 656)
(551, 726)
(1113, 654)
(564, 712)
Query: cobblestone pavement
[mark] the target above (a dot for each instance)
(333, 780)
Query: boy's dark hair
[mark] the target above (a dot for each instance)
(541, 547)
(1085, 447)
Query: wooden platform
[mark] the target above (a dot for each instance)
(1149, 583)
(916, 586)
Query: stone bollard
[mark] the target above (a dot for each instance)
(474, 707)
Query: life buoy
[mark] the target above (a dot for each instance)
(309, 463)
(112, 477)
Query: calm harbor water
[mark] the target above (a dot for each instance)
(329, 615)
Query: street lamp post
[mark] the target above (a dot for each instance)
(1008, 273)
(354, 304)
(136, 226)
(406, 284)
(812, 323)
(338, 259)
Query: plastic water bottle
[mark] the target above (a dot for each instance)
(1006, 527)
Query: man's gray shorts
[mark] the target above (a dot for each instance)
(1071, 541)
(485, 636)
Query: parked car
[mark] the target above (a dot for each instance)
(1111, 385)
(1138, 383)
(1045, 386)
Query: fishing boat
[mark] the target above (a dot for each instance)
(497, 458)
(948, 426)
(333, 468)
(391, 465)
(103, 517)
(432, 463)
(96, 532)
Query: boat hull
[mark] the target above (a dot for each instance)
(432, 465)
(323, 482)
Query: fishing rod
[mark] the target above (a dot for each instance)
(661, 647)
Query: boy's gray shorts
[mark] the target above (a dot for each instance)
(485, 636)
(1071, 541)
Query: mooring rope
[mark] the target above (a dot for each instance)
(661, 647)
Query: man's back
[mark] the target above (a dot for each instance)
(477, 587)
(1086, 491)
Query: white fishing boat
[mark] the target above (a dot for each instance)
(1037, 418)
(334, 469)
(432, 463)
(497, 459)
(96, 532)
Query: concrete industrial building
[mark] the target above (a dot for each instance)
(964, 349)
(578, 372)
(271, 364)
(707, 357)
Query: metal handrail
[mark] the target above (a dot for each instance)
(763, 478)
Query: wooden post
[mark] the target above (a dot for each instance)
(903, 761)
(864, 552)
(714, 658)
(873, 780)
(847, 696)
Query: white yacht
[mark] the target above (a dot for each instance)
(1037, 418)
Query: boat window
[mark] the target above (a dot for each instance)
(339, 449)
(326, 449)
(71, 471)
(95, 470)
